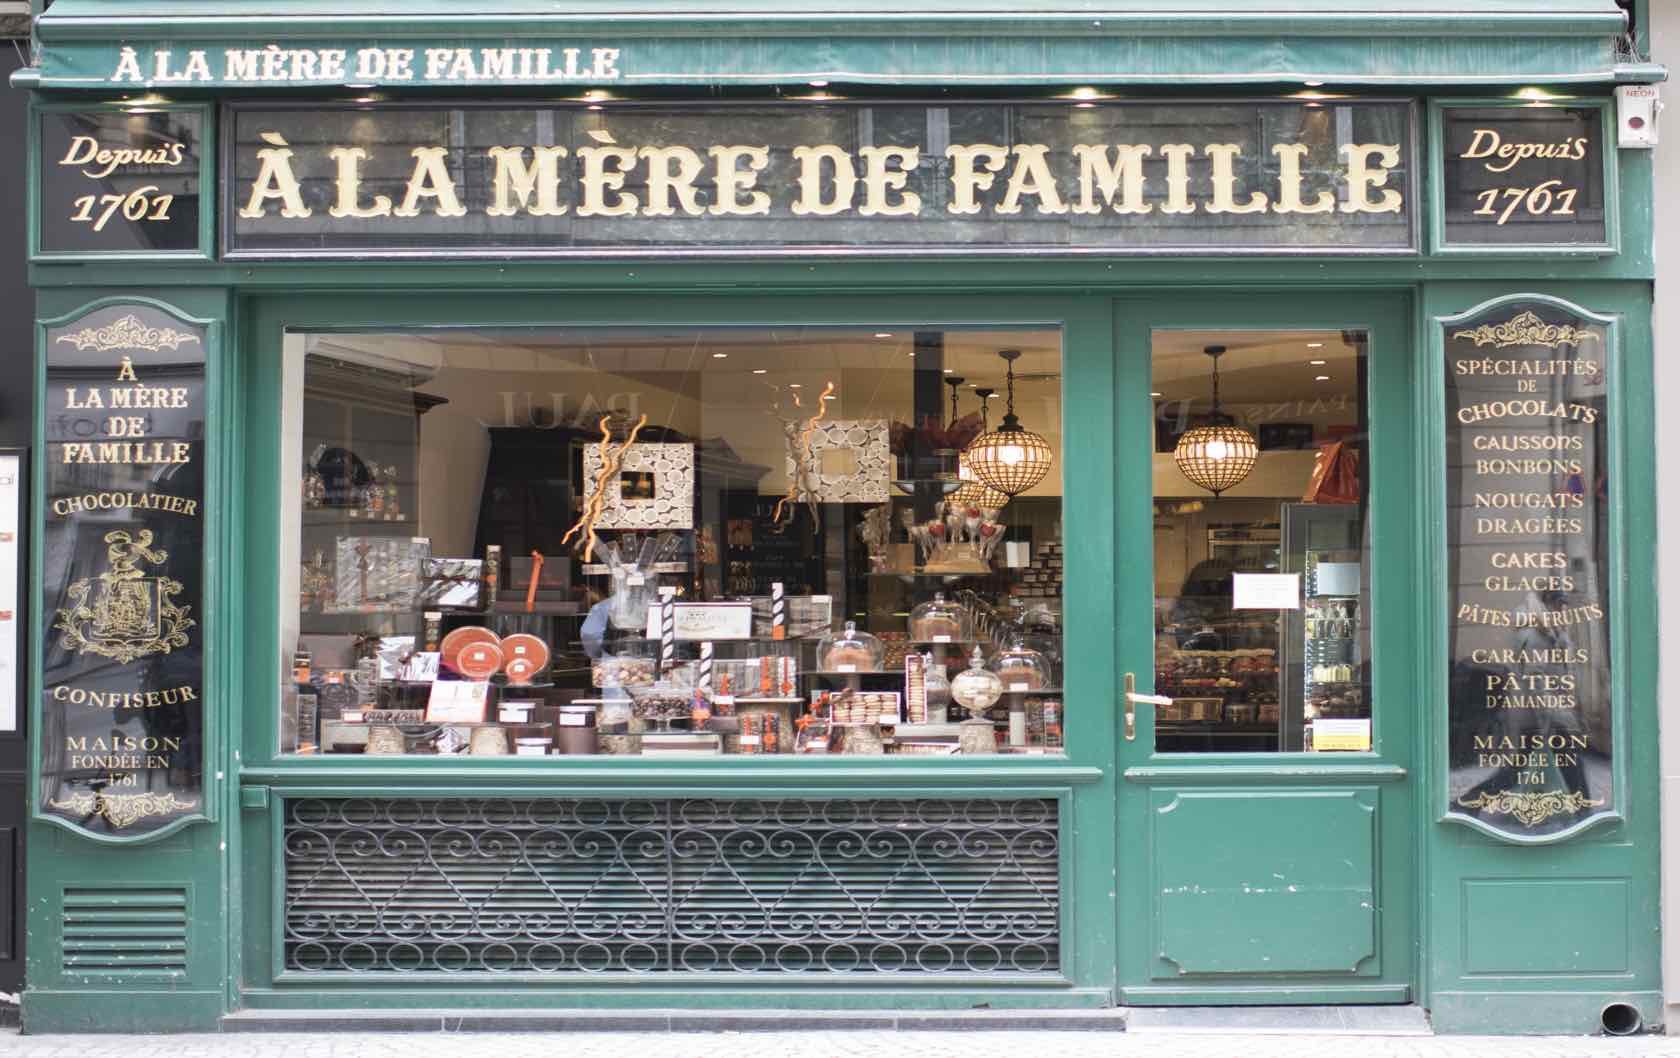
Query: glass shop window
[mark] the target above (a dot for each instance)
(1262, 574)
(672, 543)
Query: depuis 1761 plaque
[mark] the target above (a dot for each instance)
(122, 690)
(1528, 538)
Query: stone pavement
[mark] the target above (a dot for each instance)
(825, 1044)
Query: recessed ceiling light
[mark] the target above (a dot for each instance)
(1317, 363)
(720, 356)
(795, 385)
(1315, 345)
(947, 371)
(1313, 84)
(883, 334)
(1321, 378)
(817, 84)
(1084, 93)
(1154, 394)
(760, 370)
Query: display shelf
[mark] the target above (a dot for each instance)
(1051, 691)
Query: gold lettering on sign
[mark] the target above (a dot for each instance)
(539, 177)
(597, 180)
(431, 180)
(672, 171)
(275, 180)
(811, 160)
(965, 180)
(1289, 157)
(1224, 156)
(1032, 176)
(881, 178)
(1363, 178)
(737, 175)
(1107, 178)
(1121, 178)
(349, 160)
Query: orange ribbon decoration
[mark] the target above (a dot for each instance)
(536, 574)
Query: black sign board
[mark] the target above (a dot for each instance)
(1525, 177)
(1528, 536)
(122, 696)
(1267, 176)
(119, 182)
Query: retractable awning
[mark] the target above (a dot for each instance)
(287, 44)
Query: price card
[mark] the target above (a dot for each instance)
(458, 702)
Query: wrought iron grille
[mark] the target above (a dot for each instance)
(558, 887)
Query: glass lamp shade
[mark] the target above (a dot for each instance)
(1010, 459)
(974, 492)
(1216, 458)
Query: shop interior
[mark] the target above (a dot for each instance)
(1262, 634)
(684, 542)
(697, 542)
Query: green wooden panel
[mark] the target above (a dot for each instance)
(1264, 882)
(1590, 903)
(1500, 916)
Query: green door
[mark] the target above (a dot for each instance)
(1264, 569)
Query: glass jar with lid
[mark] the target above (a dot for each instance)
(1021, 668)
(938, 685)
(976, 688)
(850, 651)
(939, 621)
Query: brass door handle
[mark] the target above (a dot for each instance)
(1132, 700)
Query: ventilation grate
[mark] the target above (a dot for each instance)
(910, 887)
(135, 932)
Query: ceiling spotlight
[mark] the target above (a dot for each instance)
(1154, 394)
(817, 84)
(760, 370)
(1321, 378)
(720, 356)
(1315, 345)
(1317, 363)
(883, 334)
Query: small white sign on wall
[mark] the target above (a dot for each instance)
(1265, 591)
(11, 623)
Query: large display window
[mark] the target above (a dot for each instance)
(673, 542)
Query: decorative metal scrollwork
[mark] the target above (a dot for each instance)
(562, 887)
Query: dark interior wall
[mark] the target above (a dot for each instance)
(17, 357)
(17, 301)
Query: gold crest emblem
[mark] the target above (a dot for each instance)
(132, 615)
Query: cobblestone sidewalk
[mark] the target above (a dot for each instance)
(825, 1044)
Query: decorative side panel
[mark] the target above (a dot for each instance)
(1585, 927)
(1265, 881)
(1528, 480)
(122, 587)
(559, 887)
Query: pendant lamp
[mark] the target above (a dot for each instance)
(1011, 458)
(975, 493)
(1221, 454)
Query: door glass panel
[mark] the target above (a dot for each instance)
(1262, 578)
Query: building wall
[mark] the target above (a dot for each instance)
(1665, 48)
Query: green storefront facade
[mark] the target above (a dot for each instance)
(1139, 876)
